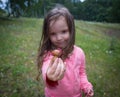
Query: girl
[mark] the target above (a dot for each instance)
(66, 75)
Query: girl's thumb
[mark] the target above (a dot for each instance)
(52, 61)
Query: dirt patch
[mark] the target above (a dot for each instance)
(113, 33)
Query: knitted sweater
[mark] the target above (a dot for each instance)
(75, 79)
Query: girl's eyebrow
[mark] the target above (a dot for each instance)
(65, 30)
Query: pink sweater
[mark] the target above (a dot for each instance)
(75, 78)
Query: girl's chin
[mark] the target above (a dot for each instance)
(60, 46)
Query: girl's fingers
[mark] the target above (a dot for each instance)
(55, 62)
(62, 70)
(58, 69)
(52, 61)
(64, 65)
(54, 70)
(61, 75)
(90, 93)
(53, 67)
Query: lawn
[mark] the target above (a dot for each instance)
(19, 41)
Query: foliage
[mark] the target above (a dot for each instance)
(19, 40)
(90, 10)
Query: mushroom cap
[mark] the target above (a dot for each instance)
(56, 52)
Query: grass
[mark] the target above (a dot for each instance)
(102, 54)
(19, 41)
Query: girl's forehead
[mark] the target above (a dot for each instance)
(52, 22)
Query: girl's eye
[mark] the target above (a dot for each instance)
(52, 34)
(64, 31)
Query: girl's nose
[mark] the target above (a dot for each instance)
(59, 37)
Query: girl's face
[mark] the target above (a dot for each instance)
(59, 32)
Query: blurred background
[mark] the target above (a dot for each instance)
(90, 10)
(97, 24)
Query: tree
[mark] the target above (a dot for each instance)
(115, 12)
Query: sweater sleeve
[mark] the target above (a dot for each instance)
(84, 83)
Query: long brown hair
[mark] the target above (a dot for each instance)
(45, 43)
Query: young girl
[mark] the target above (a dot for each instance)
(65, 76)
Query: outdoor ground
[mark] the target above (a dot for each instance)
(19, 42)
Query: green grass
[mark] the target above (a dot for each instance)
(19, 41)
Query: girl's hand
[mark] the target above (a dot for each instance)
(89, 93)
(56, 70)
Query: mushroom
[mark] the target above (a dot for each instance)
(56, 53)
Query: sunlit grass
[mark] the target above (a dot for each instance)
(18, 48)
(19, 41)
(102, 55)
